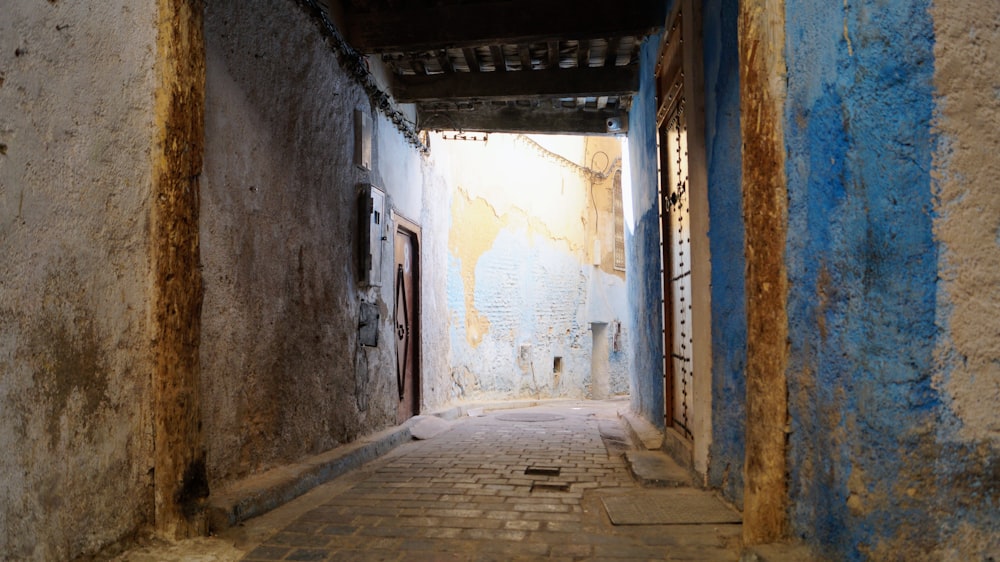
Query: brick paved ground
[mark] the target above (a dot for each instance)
(495, 489)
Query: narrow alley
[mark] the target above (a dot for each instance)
(539, 483)
(252, 247)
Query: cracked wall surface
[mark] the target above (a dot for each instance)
(522, 287)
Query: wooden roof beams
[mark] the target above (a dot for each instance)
(553, 66)
(423, 26)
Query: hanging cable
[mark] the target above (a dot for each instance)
(593, 199)
(357, 65)
(588, 173)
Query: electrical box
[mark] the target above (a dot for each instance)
(372, 226)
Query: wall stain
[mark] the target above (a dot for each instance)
(177, 299)
(475, 227)
(765, 218)
(71, 365)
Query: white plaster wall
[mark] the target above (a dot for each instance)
(967, 173)
(76, 127)
(435, 221)
(522, 287)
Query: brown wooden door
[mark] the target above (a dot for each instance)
(675, 232)
(406, 319)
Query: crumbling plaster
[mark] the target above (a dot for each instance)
(521, 283)
(861, 268)
(891, 253)
(642, 243)
(76, 130)
(723, 153)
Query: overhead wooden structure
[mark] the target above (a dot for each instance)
(526, 66)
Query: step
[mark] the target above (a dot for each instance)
(656, 469)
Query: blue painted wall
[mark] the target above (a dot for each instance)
(726, 236)
(643, 248)
(861, 262)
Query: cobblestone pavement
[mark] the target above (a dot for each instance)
(510, 485)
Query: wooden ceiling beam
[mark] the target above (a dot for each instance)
(499, 62)
(569, 82)
(444, 61)
(524, 50)
(514, 119)
(442, 25)
(611, 56)
(553, 51)
(583, 54)
(471, 59)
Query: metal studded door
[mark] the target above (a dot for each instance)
(675, 224)
(406, 319)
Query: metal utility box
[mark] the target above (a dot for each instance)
(372, 233)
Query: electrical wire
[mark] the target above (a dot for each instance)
(357, 65)
(589, 173)
(593, 199)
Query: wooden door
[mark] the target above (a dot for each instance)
(406, 318)
(676, 223)
(675, 232)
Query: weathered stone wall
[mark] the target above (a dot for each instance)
(891, 258)
(522, 289)
(966, 225)
(642, 240)
(723, 149)
(283, 374)
(76, 130)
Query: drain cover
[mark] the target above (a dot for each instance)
(679, 506)
(542, 470)
(529, 417)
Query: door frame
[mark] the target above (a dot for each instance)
(687, 17)
(412, 229)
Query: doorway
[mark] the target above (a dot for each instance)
(675, 232)
(406, 317)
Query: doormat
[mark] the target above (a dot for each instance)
(529, 417)
(682, 506)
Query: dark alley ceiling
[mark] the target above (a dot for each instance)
(527, 66)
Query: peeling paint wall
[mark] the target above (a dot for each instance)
(283, 373)
(723, 148)
(861, 262)
(76, 131)
(891, 256)
(522, 290)
(642, 241)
